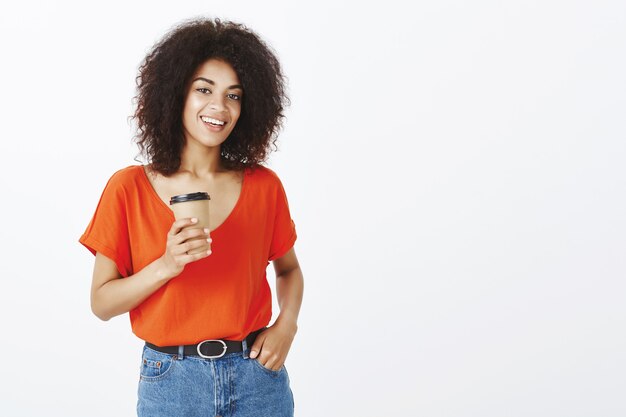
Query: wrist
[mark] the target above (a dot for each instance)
(161, 272)
(287, 322)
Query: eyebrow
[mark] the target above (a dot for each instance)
(213, 83)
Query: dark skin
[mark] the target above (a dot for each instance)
(111, 295)
(201, 169)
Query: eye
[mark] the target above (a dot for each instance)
(234, 96)
(203, 89)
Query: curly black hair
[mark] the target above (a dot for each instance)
(164, 75)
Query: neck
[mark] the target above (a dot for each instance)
(200, 161)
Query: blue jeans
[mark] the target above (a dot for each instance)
(234, 385)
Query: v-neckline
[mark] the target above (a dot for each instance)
(155, 195)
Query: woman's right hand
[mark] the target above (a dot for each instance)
(179, 243)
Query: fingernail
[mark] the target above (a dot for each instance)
(208, 252)
(206, 230)
(209, 240)
(253, 354)
(194, 220)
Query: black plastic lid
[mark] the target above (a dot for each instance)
(189, 197)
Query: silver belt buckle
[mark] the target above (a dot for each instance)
(211, 357)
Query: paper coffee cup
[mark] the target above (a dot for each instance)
(193, 205)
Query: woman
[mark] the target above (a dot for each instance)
(209, 105)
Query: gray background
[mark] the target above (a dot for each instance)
(455, 171)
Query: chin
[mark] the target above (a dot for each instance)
(210, 142)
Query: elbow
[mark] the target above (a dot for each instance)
(103, 317)
(100, 314)
(99, 311)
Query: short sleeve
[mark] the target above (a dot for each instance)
(284, 231)
(107, 231)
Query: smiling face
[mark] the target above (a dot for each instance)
(212, 104)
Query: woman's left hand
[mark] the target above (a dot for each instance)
(272, 345)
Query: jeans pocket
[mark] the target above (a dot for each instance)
(270, 371)
(155, 365)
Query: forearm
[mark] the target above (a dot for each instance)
(119, 296)
(289, 291)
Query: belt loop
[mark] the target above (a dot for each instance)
(244, 345)
(181, 352)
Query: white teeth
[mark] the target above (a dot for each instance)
(212, 121)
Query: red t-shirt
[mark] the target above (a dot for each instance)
(223, 296)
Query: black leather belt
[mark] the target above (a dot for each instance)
(210, 349)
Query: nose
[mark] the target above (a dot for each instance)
(216, 103)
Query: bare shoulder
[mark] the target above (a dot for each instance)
(153, 175)
(236, 175)
(159, 180)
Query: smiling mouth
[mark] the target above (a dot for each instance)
(212, 121)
